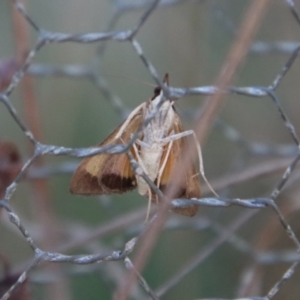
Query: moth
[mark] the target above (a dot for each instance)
(158, 150)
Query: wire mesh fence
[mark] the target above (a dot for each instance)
(237, 63)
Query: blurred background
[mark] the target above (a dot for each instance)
(245, 153)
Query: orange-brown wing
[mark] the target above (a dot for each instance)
(107, 173)
(188, 185)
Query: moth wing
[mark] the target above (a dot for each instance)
(188, 186)
(107, 173)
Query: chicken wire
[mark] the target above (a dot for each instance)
(273, 159)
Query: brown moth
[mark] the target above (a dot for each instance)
(158, 151)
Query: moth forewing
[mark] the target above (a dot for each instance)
(188, 185)
(108, 173)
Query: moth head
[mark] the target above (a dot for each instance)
(158, 89)
(158, 93)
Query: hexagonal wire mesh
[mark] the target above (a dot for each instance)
(229, 249)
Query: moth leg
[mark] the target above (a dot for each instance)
(142, 144)
(149, 205)
(138, 157)
(164, 164)
(177, 136)
(149, 189)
